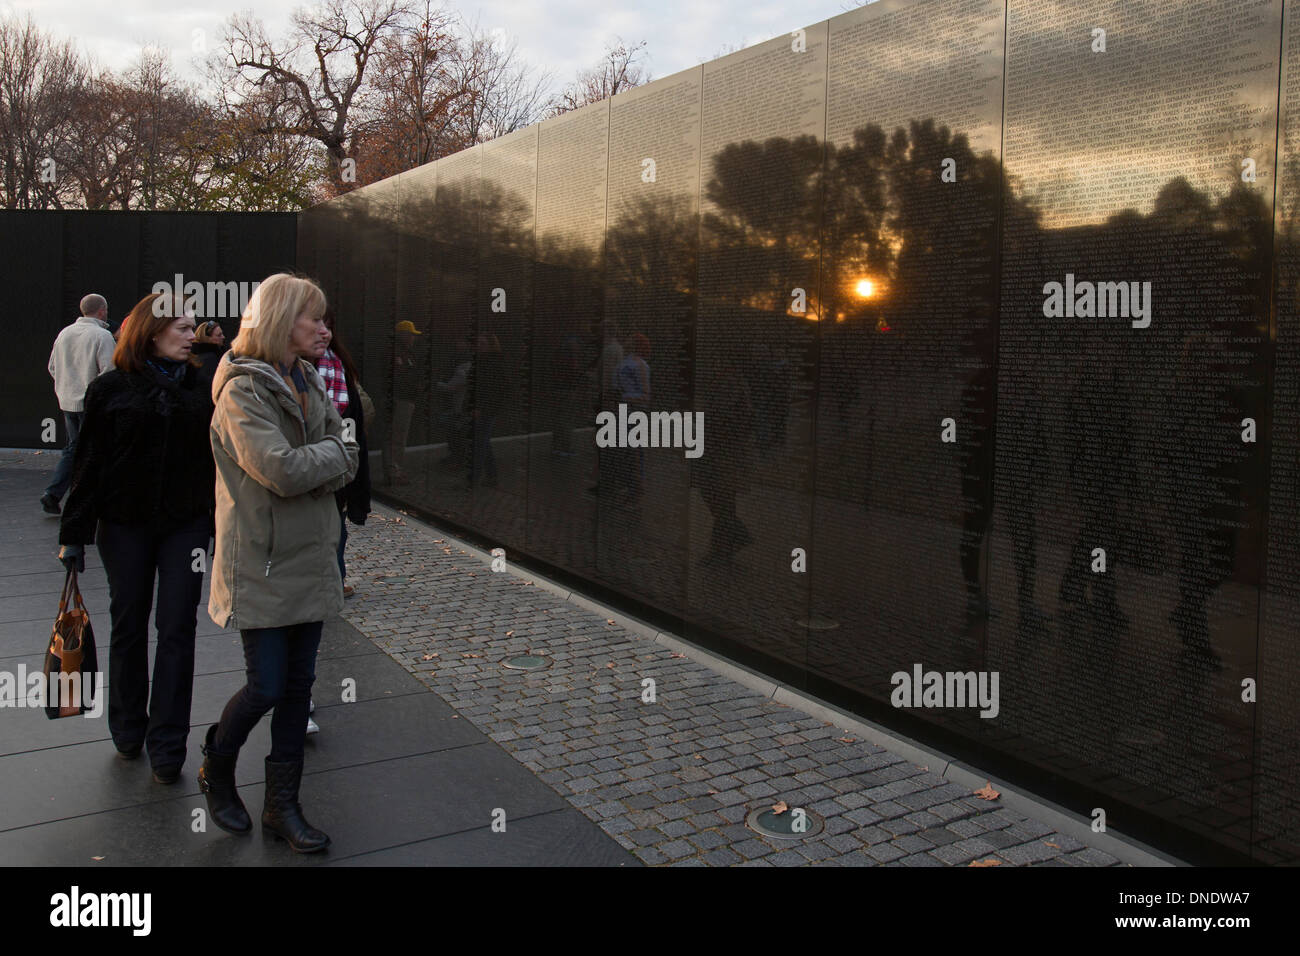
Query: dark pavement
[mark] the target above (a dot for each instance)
(396, 778)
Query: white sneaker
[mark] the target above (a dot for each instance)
(312, 727)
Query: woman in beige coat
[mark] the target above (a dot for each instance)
(280, 454)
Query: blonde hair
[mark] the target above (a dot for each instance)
(268, 319)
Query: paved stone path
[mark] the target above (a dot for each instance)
(672, 780)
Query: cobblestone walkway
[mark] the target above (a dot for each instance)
(672, 780)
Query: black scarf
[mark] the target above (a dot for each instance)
(162, 380)
(169, 370)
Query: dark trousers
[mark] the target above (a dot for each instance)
(158, 717)
(63, 471)
(343, 543)
(281, 666)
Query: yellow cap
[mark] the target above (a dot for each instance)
(406, 325)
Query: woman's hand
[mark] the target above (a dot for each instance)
(73, 557)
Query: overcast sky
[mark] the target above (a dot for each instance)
(562, 36)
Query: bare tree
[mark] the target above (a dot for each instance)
(418, 91)
(139, 139)
(42, 85)
(620, 69)
(321, 67)
(441, 86)
(253, 162)
(504, 94)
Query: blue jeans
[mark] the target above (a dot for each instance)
(63, 471)
(281, 667)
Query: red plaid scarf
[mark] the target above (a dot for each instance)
(336, 386)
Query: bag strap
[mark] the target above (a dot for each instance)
(75, 592)
(69, 583)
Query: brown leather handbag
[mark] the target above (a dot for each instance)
(71, 652)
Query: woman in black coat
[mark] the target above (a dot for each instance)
(343, 386)
(143, 490)
(209, 345)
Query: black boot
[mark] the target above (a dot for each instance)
(217, 782)
(283, 813)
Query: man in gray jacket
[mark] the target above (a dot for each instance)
(82, 351)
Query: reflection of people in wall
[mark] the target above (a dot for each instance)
(568, 387)
(1100, 426)
(456, 422)
(406, 389)
(1202, 525)
(633, 379)
(486, 389)
(611, 357)
(722, 471)
(975, 461)
(772, 377)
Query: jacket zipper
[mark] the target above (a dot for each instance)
(270, 548)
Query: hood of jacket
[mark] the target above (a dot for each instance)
(275, 388)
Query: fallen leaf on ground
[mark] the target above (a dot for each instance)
(699, 756)
(987, 792)
(609, 620)
(510, 633)
(679, 655)
(93, 857)
(610, 665)
(713, 791)
(989, 862)
(847, 740)
(428, 657)
(779, 807)
(471, 655)
(1052, 845)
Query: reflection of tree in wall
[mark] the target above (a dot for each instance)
(1176, 391)
(885, 215)
(876, 206)
(653, 245)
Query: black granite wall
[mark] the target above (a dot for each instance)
(53, 259)
(839, 247)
